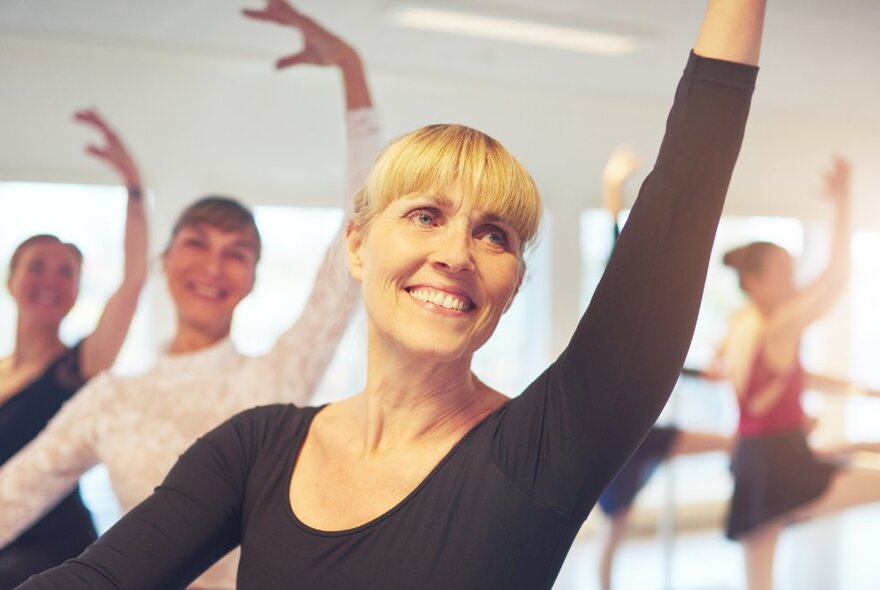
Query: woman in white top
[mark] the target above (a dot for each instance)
(139, 426)
(42, 372)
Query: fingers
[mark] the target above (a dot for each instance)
(97, 151)
(258, 15)
(837, 179)
(293, 60)
(277, 11)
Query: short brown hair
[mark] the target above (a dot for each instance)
(224, 213)
(749, 259)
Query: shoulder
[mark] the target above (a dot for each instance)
(263, 425)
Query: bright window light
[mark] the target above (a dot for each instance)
(514, 30)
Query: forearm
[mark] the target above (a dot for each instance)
(840, 259)
(135, 241)
(30, 487)
(354, 81)
(766, 399)
(732, 30)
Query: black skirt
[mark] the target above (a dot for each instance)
(773, 475)
(635, 474)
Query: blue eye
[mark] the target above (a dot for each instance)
(494, 236)
(423, 217)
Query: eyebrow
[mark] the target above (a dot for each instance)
(441, 200)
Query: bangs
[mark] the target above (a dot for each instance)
(221, 212)
(437, 157)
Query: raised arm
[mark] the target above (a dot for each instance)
(621, 165)
(813, 301)
(567, 435)
(100, 348)
(732, 31)
(302, 354)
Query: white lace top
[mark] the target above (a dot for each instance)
(139, 426)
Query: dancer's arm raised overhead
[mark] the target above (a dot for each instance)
(302, 354)
(790, 320)
(579, 422)
(100, 348)
(43, 472)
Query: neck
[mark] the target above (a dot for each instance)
(35, 342)
(191, 339)
(410, 399)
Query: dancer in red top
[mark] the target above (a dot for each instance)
(778, 478)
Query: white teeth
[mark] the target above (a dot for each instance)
(206, 291)
(46, 297)
(442, 299)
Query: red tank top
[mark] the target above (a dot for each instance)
(787, 415)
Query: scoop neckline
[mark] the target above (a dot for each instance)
(391, 511)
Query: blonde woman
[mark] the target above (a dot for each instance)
(429, 478)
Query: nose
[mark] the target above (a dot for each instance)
(453, 252)
(213, 263)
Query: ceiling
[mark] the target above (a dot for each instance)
(820, 56)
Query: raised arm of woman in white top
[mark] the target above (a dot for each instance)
(302, 354)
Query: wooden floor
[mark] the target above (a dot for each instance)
(838, 553)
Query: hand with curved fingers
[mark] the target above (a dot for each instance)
(837, 181)
(621, 165)
(100, 348)
(322, 47)
(113, 152)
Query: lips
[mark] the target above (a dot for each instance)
(446, 299)
(46, 297)
(204, 291)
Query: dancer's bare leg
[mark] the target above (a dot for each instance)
(841, 449)
(759, 550)
(691, 443)
(849, 487)
(612, 534)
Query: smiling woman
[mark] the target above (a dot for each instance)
(210, 266)
(428, 478)
(138, 427)
(42, 373)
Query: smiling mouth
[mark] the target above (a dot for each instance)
(46, 297)
(441, 298)
(206, 291)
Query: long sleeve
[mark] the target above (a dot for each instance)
(301, 355)
(47, 469)
(566, 436)
(192, 519)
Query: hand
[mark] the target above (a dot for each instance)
(837, 181)
(322, 47)
(113, 152)
(622, 163)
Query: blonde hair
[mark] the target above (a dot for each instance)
(437, 157)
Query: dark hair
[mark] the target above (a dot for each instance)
(224, 213)
(749, 259)
(19, 250)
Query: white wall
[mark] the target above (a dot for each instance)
(200, 123)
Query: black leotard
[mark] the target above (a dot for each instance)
(502, 509)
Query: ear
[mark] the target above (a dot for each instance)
(519, 281)
(354, 242)
(164, 259)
